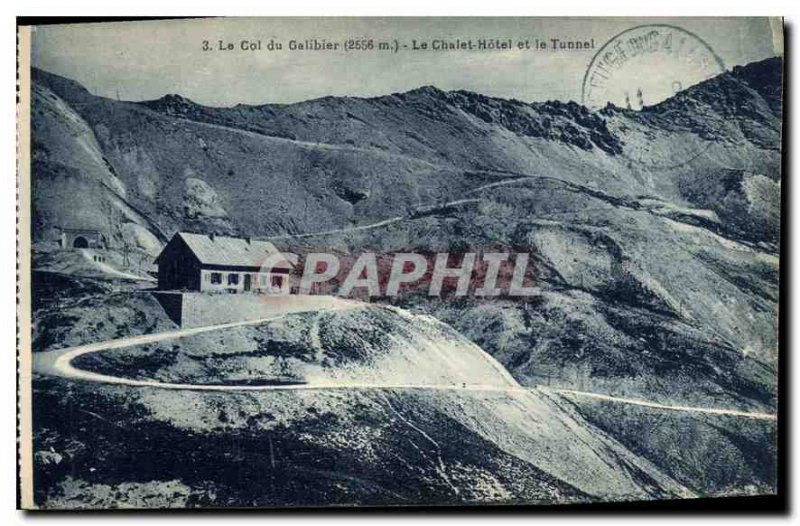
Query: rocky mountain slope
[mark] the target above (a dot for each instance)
(462, 431)
(449, 427)
(654, 233)
(353, 447)
(654, 237)
(171, 163)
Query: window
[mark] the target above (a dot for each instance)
(277, 281)
(216, 278)
(233, 279)
(262, 280)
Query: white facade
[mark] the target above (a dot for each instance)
(239, 281)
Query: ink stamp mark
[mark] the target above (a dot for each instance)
(645, 65)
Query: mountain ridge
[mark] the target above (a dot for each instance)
(451, 133)
(753, 74)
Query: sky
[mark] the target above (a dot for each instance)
(147, 60)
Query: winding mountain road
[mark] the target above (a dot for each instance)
(656, 405)
(59, 363)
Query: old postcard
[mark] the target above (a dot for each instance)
(304, 262)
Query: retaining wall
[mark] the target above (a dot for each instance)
(198, 309)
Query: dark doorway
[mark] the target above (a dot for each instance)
(80, 242)
(246, 282)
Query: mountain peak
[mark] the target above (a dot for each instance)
(426, 90)
(174, 98)
(748, 97)
(765, 77)
(174, 104)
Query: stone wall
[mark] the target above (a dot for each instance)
(197, 309)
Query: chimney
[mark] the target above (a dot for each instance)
(248, 239)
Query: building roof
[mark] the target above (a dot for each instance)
(232, 251)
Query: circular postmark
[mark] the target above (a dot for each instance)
(643, 66)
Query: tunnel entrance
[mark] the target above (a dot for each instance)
(80, 242)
